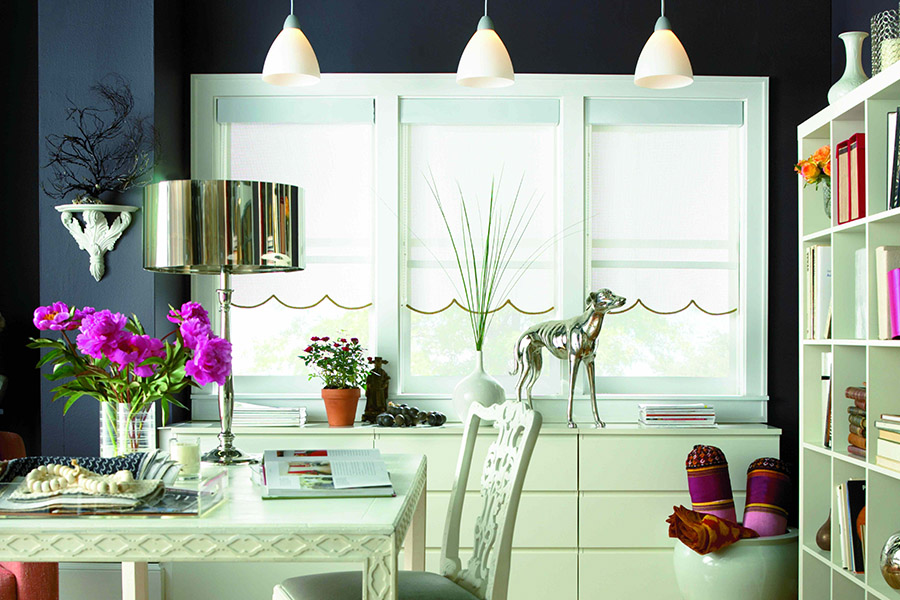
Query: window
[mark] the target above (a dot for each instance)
(657, 195)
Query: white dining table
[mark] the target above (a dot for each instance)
(245, 528)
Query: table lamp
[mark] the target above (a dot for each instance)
(221, 227)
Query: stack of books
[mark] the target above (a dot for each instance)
(887, 291)
(857, 418)
(256, 415)
(850, 186)
(677, 415)
(888, 444)
(851, 509)
(818, 293)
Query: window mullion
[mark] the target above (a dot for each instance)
(386, 263)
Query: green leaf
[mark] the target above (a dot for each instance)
(50, 356)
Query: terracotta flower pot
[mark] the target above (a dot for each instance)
(340, 406)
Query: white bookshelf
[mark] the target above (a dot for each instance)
(855, 361)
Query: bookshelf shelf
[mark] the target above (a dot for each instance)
(857, 354)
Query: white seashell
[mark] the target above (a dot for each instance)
(45, 486)
(35, 486)
(69, 477)
(103, 487)
(124, 475)
(54, 484)
(41, 469)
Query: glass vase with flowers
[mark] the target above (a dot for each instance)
(341, 365)
(113, 360)
(816, 170)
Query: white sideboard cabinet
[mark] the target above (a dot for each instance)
(591, 521)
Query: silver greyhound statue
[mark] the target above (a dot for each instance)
(570, 339)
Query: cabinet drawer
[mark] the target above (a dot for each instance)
(632, 519)
(656, 462)
(638, 574)
(552, 468)
(533, 574)
(545, 520)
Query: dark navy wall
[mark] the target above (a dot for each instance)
(19, 221)
(79, 43)
(853, 15)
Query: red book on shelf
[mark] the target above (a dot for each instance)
(843, 182)
(857, 144)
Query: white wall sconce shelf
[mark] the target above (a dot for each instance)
(96, 236)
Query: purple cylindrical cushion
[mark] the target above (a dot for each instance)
(709, 483)
(768, 487)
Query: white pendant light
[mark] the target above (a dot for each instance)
(291, 59)
(663, 63)
(485, 62)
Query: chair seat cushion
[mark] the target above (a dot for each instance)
(347, 585)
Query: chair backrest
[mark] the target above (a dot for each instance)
(487, 573)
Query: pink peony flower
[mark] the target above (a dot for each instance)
(189, 311)
(57, 317)
(101, 333)
(135, 349)
(193, 331)
(211, 361)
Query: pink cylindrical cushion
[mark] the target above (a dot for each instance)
(7, 585)
(709, 483)
(768, 489)
(35, 581)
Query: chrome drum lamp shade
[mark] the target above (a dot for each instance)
(206, 227)
(222, 227)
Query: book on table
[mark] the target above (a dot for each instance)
(318, 473)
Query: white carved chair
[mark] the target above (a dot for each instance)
(486, 574)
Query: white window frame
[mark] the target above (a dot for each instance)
(574, 92)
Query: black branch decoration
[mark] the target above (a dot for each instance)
(108, 150)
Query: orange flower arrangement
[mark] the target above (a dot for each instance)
(817, 168)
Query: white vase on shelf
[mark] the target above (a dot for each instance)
(853, 70)
(478, 387)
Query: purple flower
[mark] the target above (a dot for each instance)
(135, 349)
(101, 333)
(193, 331)
(211, 361)
(57, 317)
(189, 311)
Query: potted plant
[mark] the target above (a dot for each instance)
(817, 169)
(113, 360)
(341, 366)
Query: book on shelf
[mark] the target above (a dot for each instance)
(857, 440)
(323, 474)
(887, 448)
(856, 393)
(818, 291)
(855, 410)
(887, 258)
(894, 170)
(890, 418)
(827, 427)
(856, 451)
(857, 430)
(856, 501)
(860, 320)
(842, 197)
(891, 151)
(247, 414)
(857, 152)
(893, 436)
(677, 415)
(894, 302)
(887, 463)
(859, 420)
(843, 538)
(887, 425)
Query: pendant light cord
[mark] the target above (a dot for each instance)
(292, 6)
(662, 7)
(485, 7)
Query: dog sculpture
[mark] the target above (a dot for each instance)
(570, 339)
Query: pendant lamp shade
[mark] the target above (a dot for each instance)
(663, 63)
(485, 62)
(291, 60)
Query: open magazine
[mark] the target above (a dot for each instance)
(324, 473)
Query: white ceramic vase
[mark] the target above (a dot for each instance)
(853, 70)
(478, 387)
(762, 568)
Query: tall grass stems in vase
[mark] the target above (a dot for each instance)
(484, 253)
